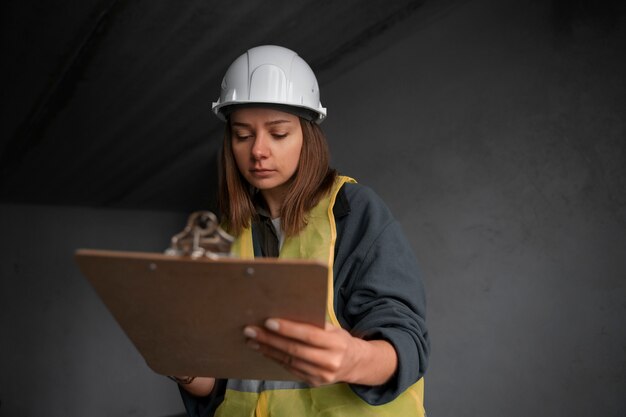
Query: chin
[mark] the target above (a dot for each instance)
(264, 185)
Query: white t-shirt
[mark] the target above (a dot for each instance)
(279, 232)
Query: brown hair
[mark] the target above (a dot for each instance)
(311, 181)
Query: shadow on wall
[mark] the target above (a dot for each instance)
(569, 16)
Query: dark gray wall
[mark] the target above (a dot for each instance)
(498, 138)
(61, 352)
(496, 133)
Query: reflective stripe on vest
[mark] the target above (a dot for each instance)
(252, 398)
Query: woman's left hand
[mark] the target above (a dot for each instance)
(323, 356)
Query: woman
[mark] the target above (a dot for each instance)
(280, 198)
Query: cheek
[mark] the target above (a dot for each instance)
(291, 159)
(297, 156)
(294, 154)
(240, 156)
(238, 151)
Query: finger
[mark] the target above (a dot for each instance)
(309, 359)
(305, 371)
(329, 326)
(279, 346)
(306, 333)
(279, 356)
(309, 379)
(314, 373)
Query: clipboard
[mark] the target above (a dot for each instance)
(186, 316)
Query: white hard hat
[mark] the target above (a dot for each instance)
(271, 75)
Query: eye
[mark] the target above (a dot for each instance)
(277, 135)
(241, 136)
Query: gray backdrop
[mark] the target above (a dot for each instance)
(497, 137)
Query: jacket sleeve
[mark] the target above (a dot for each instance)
(378, 290)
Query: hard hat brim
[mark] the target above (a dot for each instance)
(224, 110)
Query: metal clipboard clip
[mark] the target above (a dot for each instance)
(202, 237)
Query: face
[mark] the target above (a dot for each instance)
(266, 145)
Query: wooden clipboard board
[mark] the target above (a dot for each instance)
(186, 316)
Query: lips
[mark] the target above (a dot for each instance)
(261, 172)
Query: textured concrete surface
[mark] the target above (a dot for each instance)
(495, 131)
(498, 138)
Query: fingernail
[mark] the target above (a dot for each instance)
(272, 324)
(249, 332)
(253, 345)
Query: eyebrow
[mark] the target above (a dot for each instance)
(270, 123)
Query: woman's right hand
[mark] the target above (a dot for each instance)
(200, 386)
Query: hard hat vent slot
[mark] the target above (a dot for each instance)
(268, 83)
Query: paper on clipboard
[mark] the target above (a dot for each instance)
(186, 316)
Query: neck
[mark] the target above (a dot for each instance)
(274, 199)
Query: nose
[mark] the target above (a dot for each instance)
(260, 148)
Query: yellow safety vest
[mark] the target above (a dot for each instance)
(252, 398)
